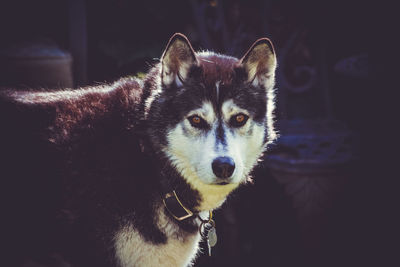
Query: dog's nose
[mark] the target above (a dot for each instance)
(223, 167)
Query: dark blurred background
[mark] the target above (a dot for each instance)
(316, 198)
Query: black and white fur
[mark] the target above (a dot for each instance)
(99, 159)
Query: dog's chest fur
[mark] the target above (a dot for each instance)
(132, 249)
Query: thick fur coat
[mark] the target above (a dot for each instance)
(84, 171)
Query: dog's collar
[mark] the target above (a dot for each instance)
(175, 207)
(177, 210)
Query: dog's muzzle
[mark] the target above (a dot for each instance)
(223, 168)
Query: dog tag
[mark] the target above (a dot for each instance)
(212, 236)
(209, 248)
(207, 230)
(211, 239)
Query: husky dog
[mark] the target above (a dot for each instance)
(126, 174)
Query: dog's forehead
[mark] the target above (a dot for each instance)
(217, 68)
(209, 113)
(229, 108)
(221, 80)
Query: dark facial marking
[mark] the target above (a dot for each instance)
(251, 128)
(221, 137)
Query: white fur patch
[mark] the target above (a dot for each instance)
(243, 147)
(192, 157)
(133, 250)
(206, 112)
(192, 151)
(229, 108)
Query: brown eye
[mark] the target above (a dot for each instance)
(198, 122)
(196, 119)
(238, 120)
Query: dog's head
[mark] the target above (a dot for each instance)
(212, 115)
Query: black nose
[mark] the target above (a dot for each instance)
(223, 167)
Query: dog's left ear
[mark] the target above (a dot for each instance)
(259, 63)
(177, 59)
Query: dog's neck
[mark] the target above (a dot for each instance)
(196, 195)
(171, 181)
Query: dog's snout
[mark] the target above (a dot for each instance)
(223, 167)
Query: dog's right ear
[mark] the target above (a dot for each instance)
(177, 60)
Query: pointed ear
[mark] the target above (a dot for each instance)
(177, 59)
(259, 63)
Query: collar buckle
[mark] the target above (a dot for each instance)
(175, 207)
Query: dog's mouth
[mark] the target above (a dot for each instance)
(222, 183)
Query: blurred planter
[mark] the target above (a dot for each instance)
(313, 159)
(36, 65)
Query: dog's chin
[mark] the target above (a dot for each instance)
(212, 194)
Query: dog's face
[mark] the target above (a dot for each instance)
(218, 113)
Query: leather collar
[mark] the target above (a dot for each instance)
(175, 207)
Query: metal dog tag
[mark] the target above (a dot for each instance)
(209, 247)
(212, 236)
(207, 230)
(211, 239)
